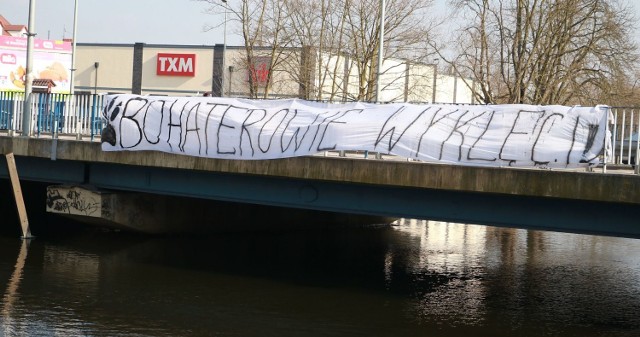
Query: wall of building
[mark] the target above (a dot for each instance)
(420, 84)
(127, 68)
(285, 81)
(332, 77)
(113, 72)
(393, 81)
(116, 69)
(400, 81)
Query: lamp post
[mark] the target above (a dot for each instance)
(95, 83)
(435, 78)
(28, 87)
(73, 43)
(380, 50)
(72, 88)
(224, 49)
(230, 79)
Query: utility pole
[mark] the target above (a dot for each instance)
(224, 50)
(380, 50)
(28, 86)
(435, 79)
(73, 51)
(72, 87)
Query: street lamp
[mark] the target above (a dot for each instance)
(224, 49)
(28, 87)
(435, 78)
(230, 79)
(73, 51)
(72, 87)
(380, 50)
(95, 83)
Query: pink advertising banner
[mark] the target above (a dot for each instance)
(51, 60)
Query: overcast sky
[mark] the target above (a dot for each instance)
(129, 21)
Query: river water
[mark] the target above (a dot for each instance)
(416, 278)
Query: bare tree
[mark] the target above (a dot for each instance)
(339, 39)
(262, 25)
(318, 28)
(545, 51)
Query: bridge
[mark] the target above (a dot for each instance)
(150, 187)
(578, 201)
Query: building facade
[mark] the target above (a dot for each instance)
(187, 70)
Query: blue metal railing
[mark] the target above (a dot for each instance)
(7, 103)
(53, 114)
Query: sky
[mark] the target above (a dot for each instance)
(178, 22)
(122, 21)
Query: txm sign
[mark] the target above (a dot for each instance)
(176, 64)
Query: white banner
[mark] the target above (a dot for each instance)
(480, 135)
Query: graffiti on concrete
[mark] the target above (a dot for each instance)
(72, 201)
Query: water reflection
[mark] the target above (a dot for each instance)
(517, 280)
(11, 294)
(415, 278)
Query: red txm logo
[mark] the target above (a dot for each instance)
(176, 64)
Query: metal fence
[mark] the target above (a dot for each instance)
(79, 115)
(625, 127)
(53, 114)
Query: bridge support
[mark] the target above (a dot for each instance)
(17, 194)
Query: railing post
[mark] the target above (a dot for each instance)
(78, 113)
(92, 126)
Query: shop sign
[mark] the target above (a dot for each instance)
(176, 64)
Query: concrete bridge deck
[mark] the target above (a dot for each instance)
(563, 200)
